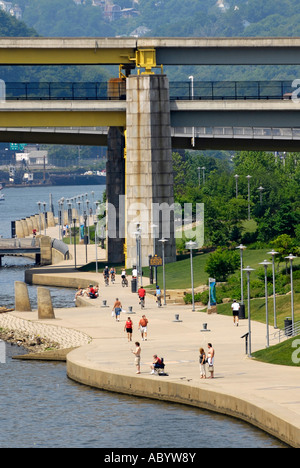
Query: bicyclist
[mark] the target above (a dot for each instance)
(106, 274)
(124, 279)
(112, 274)
(142, 295)
(158, 296)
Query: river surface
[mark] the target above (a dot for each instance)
(40, 407)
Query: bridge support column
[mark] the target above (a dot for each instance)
(115, 189)
(149, 169)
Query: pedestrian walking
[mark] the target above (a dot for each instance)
(202, 363)
(137, 353)
(211, 360)
(143, 326)
(117, 308)
(235, 306)
(129, 328)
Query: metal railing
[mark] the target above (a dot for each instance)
(180, 90)
(288, 332)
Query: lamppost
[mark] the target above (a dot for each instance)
(242, 247)
(199, 176)
(248, 177)
(154, 232)
(191, 78)
(88, 219)
(138, 255)
(85, 236)
(40, 224)
(45, 220)
(74, 223)
(236, 185)
(248, 271)
(96, 245)
(260, 189)
(273, 253)
(192, 245)
(265, 264)
(163, 241)
(291, 258)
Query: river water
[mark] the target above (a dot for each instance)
(41, 408)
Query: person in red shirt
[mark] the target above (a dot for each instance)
(157, 364)
(128, 328)
(142, 295)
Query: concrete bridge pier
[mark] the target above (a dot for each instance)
(149, 168)
(140, 174)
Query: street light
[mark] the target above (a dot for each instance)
(163, 241)
(45, 221)
(291, 258)
(85, 236)
(192, 245)
(248, 177)
(96, 245)
(273, 253)
(203, 169)
(199, 176)
(74, 222)
(236, 185)
(248, 271)
(154, 227)
(40, 225)
(242, 247)
(139, 255)
(191, 78)
(265, 264)
(260, 189)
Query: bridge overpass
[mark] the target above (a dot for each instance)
(19, 247)
(143, 129)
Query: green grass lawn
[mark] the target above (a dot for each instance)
(286, 353)
(258, 309)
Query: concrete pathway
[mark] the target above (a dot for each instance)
(265, 395)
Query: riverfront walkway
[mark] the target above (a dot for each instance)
(262, 394)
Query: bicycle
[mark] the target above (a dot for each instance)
(124, 282)
(158, 301)
(106, 280)
(142, 302)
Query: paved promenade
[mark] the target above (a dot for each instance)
(265, 395)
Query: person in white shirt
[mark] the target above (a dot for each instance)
(235, 312)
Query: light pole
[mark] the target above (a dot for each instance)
(273, 253)
(199, 176)
(260, 189)
(191, 78)
(45, 221)
(88, 219)
(242, 247)
(236, 185)
(139, 255)
(74, 222)
(85, 236)
(248, 177)
(291, 258)
(163, 241)
(40, 224)
(192, 245)
(154, 227)
(96, 245)
(265, 264)
(248, 271)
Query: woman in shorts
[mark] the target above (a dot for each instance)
(128, 328)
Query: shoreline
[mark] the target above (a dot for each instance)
(243, 388)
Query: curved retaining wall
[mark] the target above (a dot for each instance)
(161, 388)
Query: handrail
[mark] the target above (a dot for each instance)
(179, 90)
(286, 333)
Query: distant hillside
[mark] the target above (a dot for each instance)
(11, 27)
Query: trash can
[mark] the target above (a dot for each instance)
(288, 326)
(242, 314)
(134, 285)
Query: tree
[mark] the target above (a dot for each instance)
(222, 263)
